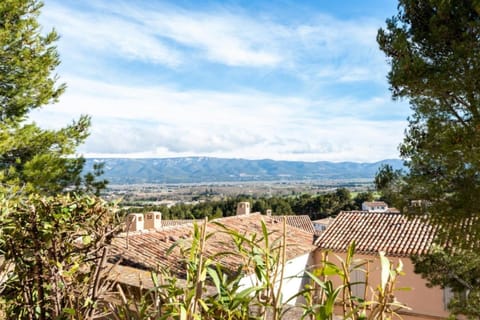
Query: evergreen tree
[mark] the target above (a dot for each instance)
(362, 197)
(389, 182)
(38, 160)
(434, 51)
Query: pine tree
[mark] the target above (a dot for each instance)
(434, 51)
(33, 158)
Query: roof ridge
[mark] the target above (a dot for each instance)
(238, 216)
(374, 212)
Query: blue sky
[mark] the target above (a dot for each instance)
(289, 80)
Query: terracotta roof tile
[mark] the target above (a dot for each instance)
(148, 249)
(301, 222)
(143, 279)
(392, 233)
(175, 222)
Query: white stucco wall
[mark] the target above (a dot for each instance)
(381, 208)
(294, 278)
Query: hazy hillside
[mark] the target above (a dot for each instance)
(201, 169)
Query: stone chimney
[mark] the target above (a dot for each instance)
(153, 220)
(243, 208)
(135, 222)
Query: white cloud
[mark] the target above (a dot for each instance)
(345, 50)
(159, 121)
(228, 39)
(172, 117)
(322, 47)
(111, 35)
(160, 37)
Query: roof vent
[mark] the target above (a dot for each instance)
(135, 222)
(153, 220)
(243, 208)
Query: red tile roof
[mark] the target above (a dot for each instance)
(392, 233)
(301, 222)
(138, 278)
(148, 249)
(176, 222)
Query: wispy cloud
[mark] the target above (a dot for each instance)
(160, 121)
(112, 36)
(164, 80)
(229, 39)
(320, 47)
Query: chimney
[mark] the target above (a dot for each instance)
(243, 208)
(135, 222)
(269, 212)
(153, 220)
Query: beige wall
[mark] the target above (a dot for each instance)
(425, 303)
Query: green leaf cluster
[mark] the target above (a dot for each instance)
(53, 247)
(433, 47)
(33, 158)
(263, 258)
(434, 51)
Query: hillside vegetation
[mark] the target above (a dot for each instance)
(204, 169)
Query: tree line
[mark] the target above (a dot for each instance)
(315, 206)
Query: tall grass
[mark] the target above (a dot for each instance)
(212, 291)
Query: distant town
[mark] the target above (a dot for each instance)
(169, 194)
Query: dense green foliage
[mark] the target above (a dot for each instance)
(316, 206)
(33, 158)
(389, 183)
(53, 249)
(434, 51)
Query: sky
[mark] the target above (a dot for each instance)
(283, 80)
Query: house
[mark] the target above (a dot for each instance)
(399, 238)
(152, 220)
(149, 249)
(377, 206)
(321, 225)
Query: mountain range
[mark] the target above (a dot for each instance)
(206, 169)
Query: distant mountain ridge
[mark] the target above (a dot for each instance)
(205, 169)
